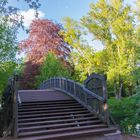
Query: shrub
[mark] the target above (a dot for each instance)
(52, 67)
(126, 112)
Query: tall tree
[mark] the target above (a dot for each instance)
(10, 22)
(43, 38)
(8, 49)
(82, 53)
(112, 23)
(52, 67)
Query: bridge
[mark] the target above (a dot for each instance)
(60, 109)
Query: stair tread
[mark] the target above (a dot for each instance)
(48, 105)
(61, 130)
(52, 111)
(60, 125)
(48, 102)
(48, 108)
(52, 114)
(55, 117)
(73, 133)
(57, 121)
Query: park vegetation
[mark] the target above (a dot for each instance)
(10, 22)
(53, 50)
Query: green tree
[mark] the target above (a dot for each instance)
(126, 112)
(10, 22)
(52, 67)
(113, 24)
(8, 49)
(82, 54)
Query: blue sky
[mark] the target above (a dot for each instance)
(56, 10)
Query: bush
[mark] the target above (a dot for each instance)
(126, 112)
(5, 74)
(52, 67)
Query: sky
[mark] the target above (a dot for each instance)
(56, 10)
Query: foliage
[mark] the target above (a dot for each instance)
(43, 38)
(12, 15)
(30, 71)
(82, 54)
(126, 112)
(83, 62)
(113, 24)
(100, 62)
(8, 48)
(117, 26)
(5, 74)
(52, 67)
(8, 44)
(10, 22)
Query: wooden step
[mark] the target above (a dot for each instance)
(57, 125)
(41, 118)
(48, 102)
(66, 135)
(52, 114)
(71, 100)
(25, 133)
(47, 105)
(48, 108)
(51, 111)
(56, 121)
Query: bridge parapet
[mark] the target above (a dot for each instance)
(94, 101)
(97, 84)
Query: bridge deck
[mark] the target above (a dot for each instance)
(42, 95)
(53, 115)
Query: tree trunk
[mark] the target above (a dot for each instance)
(130, 90)
(115, 89)
(120, 90)
(123, 91)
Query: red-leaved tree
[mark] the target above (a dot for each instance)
(43, 38)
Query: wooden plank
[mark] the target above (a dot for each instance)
(72, 134)
(56, 121)
(48, 103)
(55, 117)
(52, 114)
(51, 111)
(42, 95)
(60, 130)
(57, 125)
(49, 108)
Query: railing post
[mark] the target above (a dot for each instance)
(15, 108)
(66, 84)
(49, 83)
(105, 105)
(1, 122)
(74, 88)
(60, 83)
(86, 98)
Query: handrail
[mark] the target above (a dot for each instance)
(10, 109)
(15, 108)
(93, 102)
